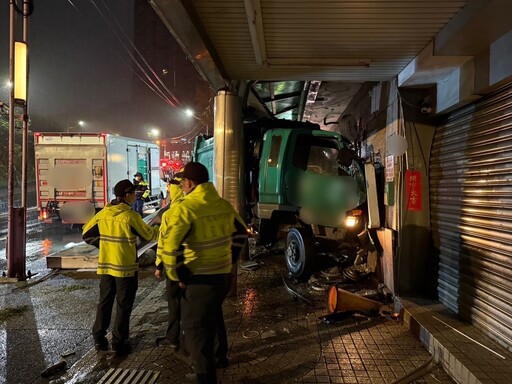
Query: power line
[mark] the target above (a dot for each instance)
(149, 82)
(140, 54)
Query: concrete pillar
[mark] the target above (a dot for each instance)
(229, 149)
(229, 158)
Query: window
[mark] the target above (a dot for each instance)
(316, 154)
(274, 151)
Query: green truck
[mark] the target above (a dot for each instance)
(304, 186)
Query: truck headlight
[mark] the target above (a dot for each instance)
(352, 218)
(350, 221)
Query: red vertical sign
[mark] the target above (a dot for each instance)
(413, 190)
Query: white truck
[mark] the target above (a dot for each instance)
(76, 172)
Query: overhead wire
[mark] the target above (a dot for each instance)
(122, 58)
(196, 129)
(150, 83)
(132, 56)
(140, 54)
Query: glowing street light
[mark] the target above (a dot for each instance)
(79, 124)
(189, 112)
(154, 132)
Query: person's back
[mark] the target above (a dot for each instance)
(210, 220)
(118, 247)
(195, 247)
(114, 230)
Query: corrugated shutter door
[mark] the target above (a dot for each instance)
(471, 213)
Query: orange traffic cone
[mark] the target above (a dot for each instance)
(340, 300)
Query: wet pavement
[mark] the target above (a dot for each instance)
(46, 318)
(274, 337)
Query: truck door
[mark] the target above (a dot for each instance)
(132, 152)
(154, 174)
(271, 170)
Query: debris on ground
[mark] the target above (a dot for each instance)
(250, 265)
(298, 294)
(67, 353)
(50, 371)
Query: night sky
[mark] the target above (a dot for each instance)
(79, 70)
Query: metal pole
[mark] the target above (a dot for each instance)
(10, 174)
(22, 245)
(24, 147)
(16, 216)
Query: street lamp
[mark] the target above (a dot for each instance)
(79, 124)
(154, 133)
(190, 113)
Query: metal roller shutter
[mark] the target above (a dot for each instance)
(471, 213)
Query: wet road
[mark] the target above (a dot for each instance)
(48, 318)
(43, 240)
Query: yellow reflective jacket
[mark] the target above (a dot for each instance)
(196, 235)
(114, 230)
(175, 192)
(142, 190)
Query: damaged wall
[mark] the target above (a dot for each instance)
(375, 114)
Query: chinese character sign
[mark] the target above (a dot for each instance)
(413, 190)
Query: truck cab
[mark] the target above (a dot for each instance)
(303, 183)
(310, 185)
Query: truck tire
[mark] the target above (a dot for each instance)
(299, 253)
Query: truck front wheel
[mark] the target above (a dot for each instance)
(299, 253)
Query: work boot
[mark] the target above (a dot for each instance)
(164, 342)
(101, 345)
(122, 349)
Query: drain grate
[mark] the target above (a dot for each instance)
(129, 376)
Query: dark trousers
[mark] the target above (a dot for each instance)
(137, 206)
(121, 289)
(201, 310)
(174, 293)
(221, 337)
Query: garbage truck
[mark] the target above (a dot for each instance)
(304, 186)
(76, 172)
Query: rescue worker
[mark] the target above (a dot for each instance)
(172, 288)
(195, 245)
(174, 191)
(141, 192)
(114, 231)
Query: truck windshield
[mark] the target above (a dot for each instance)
(316, 154)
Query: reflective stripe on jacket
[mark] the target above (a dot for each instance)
(195, 234)
(117, 227)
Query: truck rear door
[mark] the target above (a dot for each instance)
(70, 175)
(154, 175)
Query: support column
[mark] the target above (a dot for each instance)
(229, 149)
(229, 158)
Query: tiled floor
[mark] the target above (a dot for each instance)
(276, 338)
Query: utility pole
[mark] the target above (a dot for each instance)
(18, 76)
